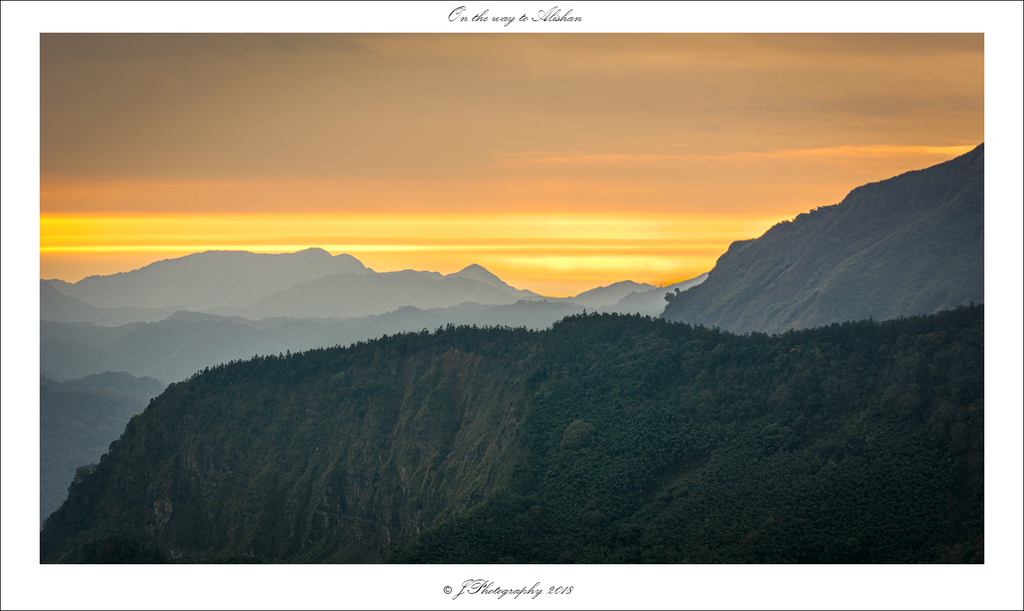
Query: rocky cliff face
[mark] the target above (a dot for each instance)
(341, 464)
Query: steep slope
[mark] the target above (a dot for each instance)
(78, 420)
(913, 244)
(606, 438)
(409, 442)
(212, 279)
(480, 274)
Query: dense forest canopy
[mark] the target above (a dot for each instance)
(607, 438)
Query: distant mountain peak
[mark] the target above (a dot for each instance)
(480, 274)
(606, 296)
(208, 279)
(313, 250)
(474, 267)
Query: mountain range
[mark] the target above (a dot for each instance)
(206, 280)
(178, 344)
(290, 288)
(81, 342)
(458, 419)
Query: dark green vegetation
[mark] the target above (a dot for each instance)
(78, 420)
(913, 244)
(118, 550)
(606, 439)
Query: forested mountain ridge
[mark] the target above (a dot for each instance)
(607, 438)
(184, 342)
(913, 244)
(77, 421)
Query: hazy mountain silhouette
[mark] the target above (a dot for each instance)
(185, 342)
(209, 279)
(913, 244)
(478, 273)
(297, 286)
(339, 309)
(169, 349)
(607, 296)
(357, 295)
(651, 302)
(56, 306)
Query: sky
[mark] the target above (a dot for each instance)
(560, 162)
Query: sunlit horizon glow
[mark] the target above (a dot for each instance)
(556, 255)
(558, 162)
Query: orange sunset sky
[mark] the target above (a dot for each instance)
(560, 162)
